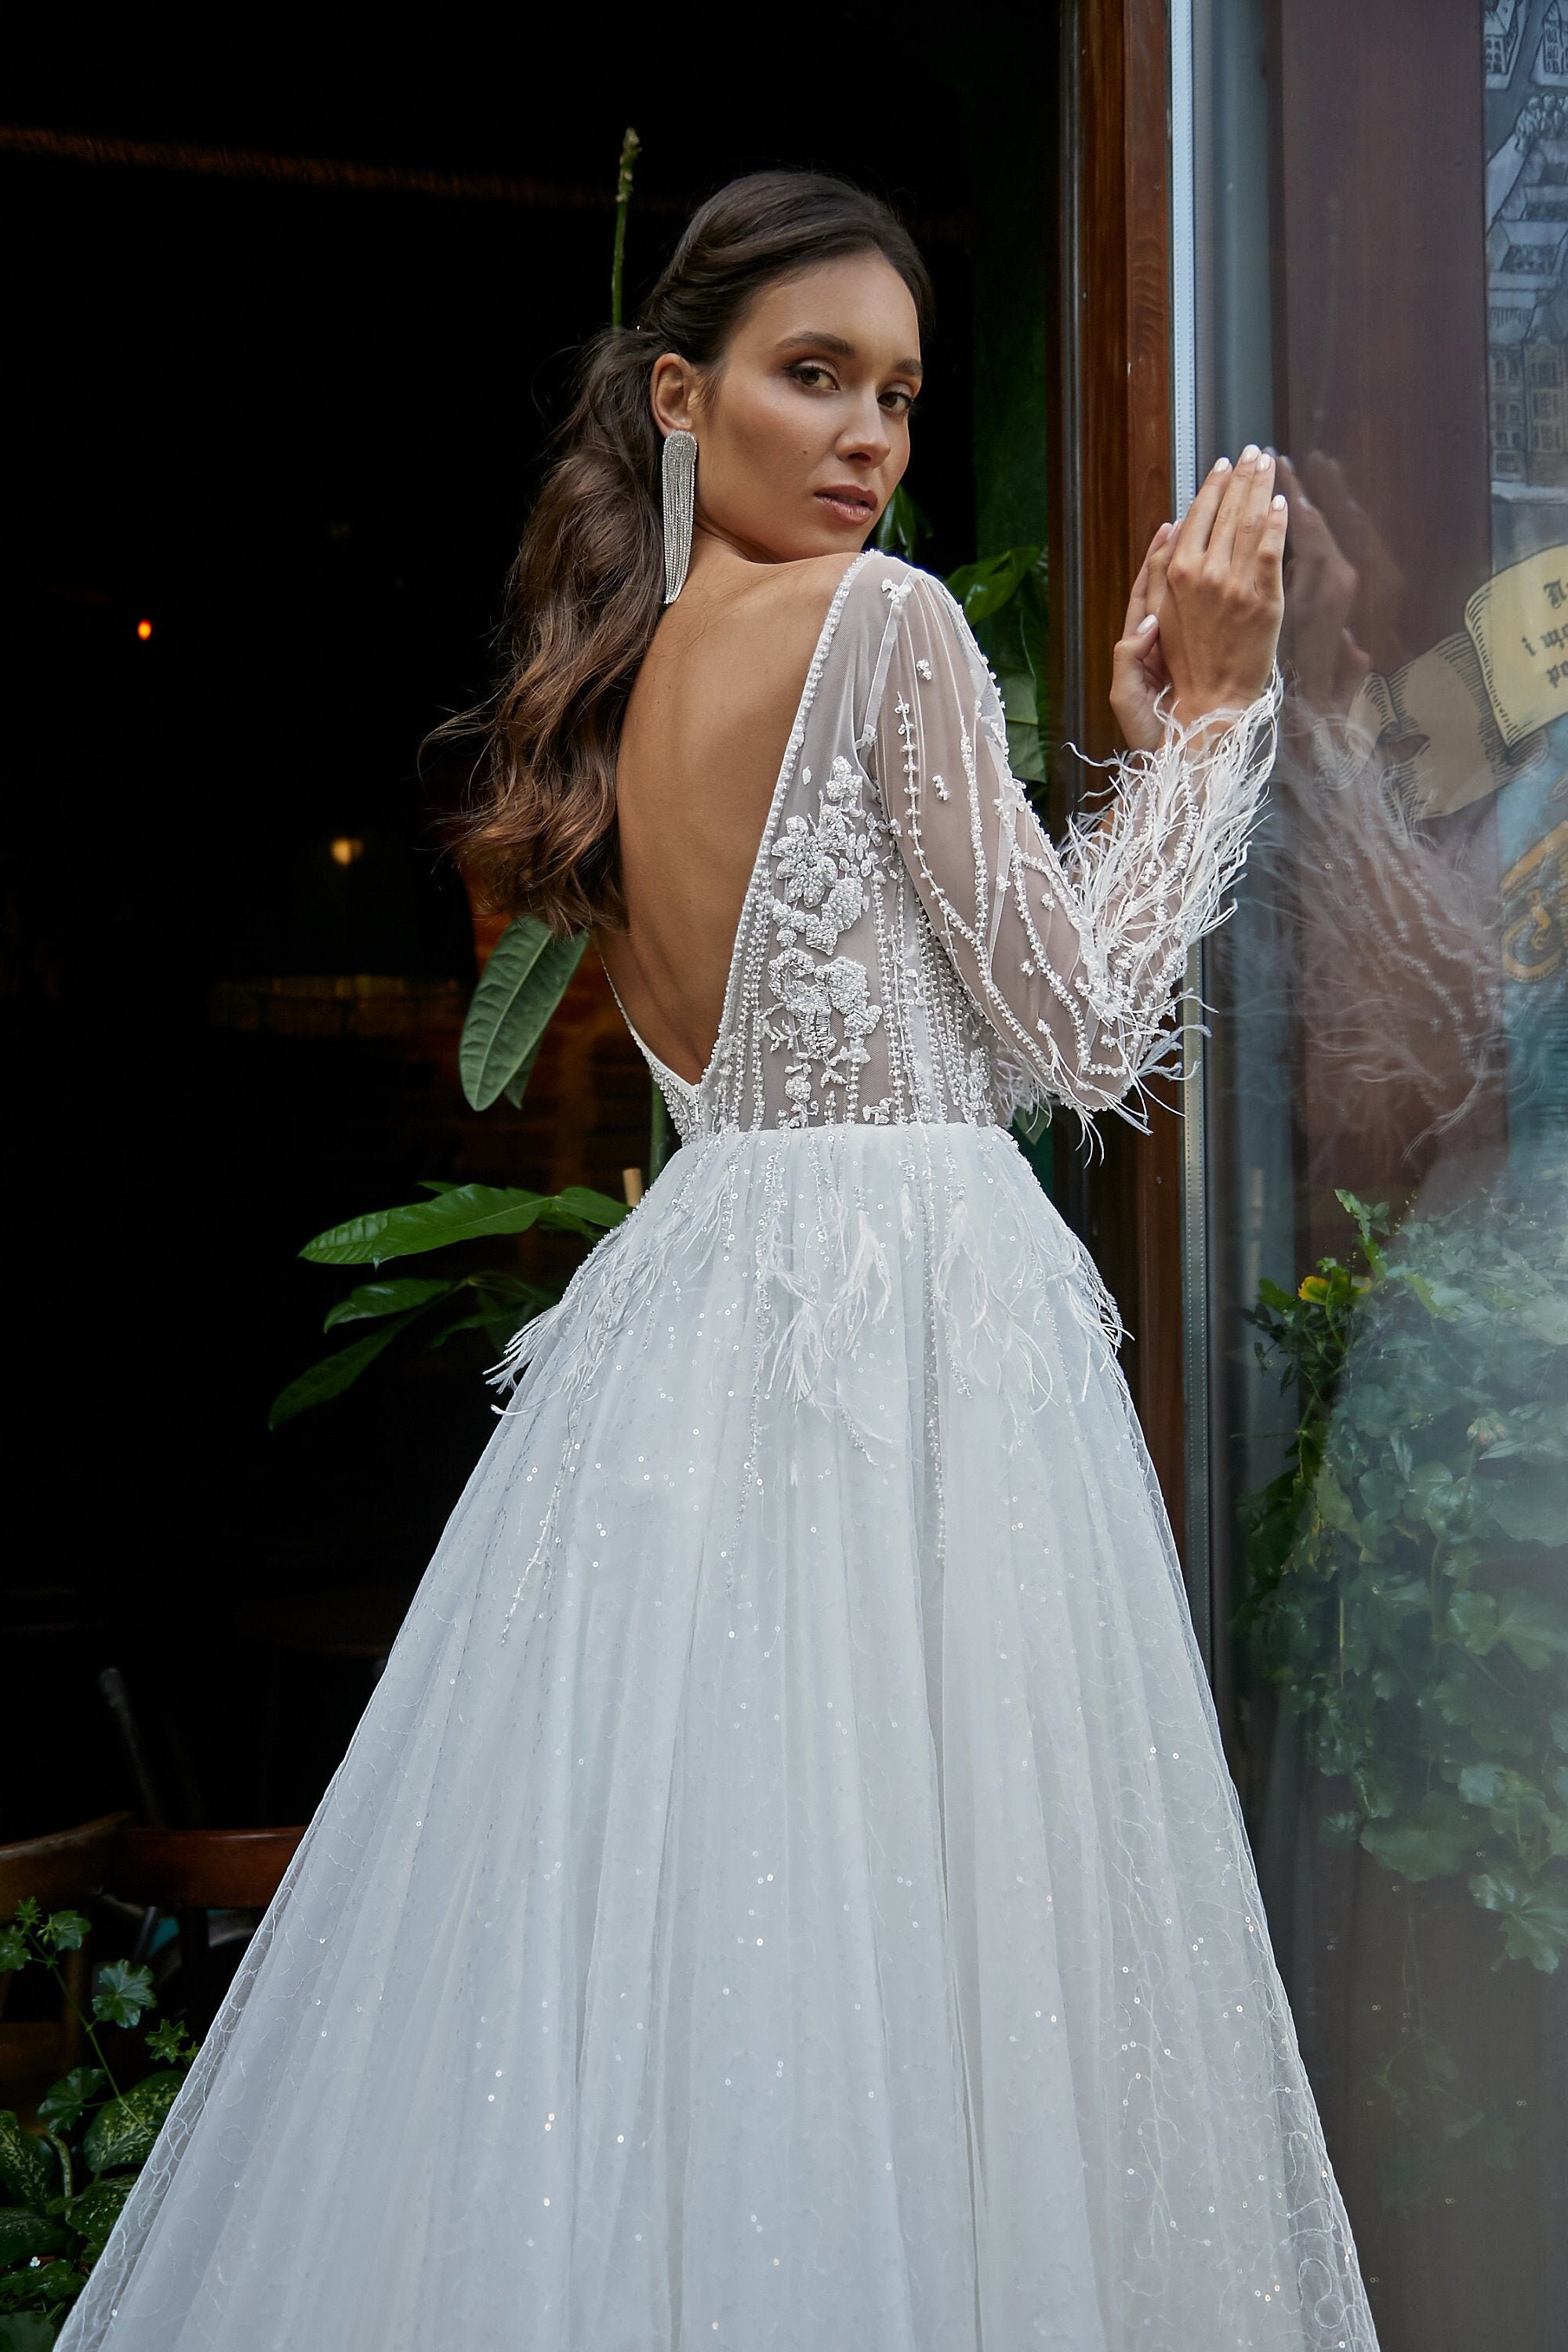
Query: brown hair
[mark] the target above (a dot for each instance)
(587, 589)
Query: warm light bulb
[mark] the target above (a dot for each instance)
(345, 849)
(143, 630)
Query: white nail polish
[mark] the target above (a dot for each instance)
(1146, 625)
(1278, 500)
(1222, 465)
(1250, 453)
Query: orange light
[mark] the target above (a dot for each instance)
(346, 850)
(143, 630)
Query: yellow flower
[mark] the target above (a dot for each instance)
(1313, 1289)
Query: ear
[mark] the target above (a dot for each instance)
(671, 389)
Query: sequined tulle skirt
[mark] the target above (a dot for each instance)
(784, 1892)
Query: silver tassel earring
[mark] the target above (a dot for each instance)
(680, 487)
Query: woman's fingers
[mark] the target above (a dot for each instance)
(1191, 533)
(1145, 596)
(1271, 547)
(1234, 538)
(1158, 563)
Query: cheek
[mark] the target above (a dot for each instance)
(771, 431)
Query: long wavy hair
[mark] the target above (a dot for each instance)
(586, 592)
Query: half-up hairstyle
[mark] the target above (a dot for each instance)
(587, 589)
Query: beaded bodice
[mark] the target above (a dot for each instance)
(912, 946)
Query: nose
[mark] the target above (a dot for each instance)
(864, 434)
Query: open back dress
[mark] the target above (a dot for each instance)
(785, 1891)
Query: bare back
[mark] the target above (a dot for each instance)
(705, 735)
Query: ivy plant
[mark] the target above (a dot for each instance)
(64, 2178)
(1405, 1569)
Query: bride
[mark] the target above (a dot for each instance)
(785, 1891)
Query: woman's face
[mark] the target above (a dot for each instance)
(802, 425)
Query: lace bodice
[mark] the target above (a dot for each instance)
(913, 947)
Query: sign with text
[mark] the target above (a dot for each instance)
(1519, 625)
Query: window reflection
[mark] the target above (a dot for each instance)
(1388, 1077)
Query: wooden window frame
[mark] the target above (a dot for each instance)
(1112, 475)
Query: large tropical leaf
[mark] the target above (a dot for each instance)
(372, 1300)
(335, 1373)
(984, 588)
(520, 987)
(469, 1212)
(901, 526)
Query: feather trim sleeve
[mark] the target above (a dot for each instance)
(1074, 951)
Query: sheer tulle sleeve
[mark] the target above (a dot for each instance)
(1075, 952)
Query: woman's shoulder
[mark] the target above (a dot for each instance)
(812, 584)
(884, 582)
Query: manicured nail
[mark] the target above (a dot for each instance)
(1146, 625)
(1278, 499)
(1250, 453)
(1222, 465)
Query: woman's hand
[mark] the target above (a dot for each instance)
(1205, 611)
(1321, 586)
(1138, 672)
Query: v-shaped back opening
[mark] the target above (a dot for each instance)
(660, 1068)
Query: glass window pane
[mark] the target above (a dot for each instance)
(1382, 238)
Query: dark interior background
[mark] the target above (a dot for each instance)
(297, 427)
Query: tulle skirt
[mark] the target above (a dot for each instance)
(785, 1891)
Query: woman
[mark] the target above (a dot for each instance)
(785, 1890)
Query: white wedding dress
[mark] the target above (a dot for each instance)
(785, 1893)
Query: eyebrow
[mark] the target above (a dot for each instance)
(842, 350)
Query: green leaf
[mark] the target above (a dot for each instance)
(1546, 1317)
(30, 2300)
(1473, 1616)
(521, 984)
(66, 1930)
(1529, 1505)
(169, 2041)
(335, 1373)
(1377, 1787)
(26, 2163)
(471, 1213)
(1333, 1503)
(15, 1952)
(392, 1297)
(1534, 1628)
(516, 1086)
(120, 1993)
(1534, 1913)
(984, 588)
(900, 526)
(1431, 1845)
(66, 2102)
(97, 2210)
(23, 2235)
(28, 2331)
(123, 2132)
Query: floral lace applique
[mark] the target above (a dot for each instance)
(822, 1011)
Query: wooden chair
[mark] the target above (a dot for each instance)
(64, 1871)
(192, 1875)
(196, 1876)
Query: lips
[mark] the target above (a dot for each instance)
(850, 503)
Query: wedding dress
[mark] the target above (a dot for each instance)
(785, 1891)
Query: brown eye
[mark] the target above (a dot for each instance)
(806, 368)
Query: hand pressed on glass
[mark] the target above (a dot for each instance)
(1202, 620)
